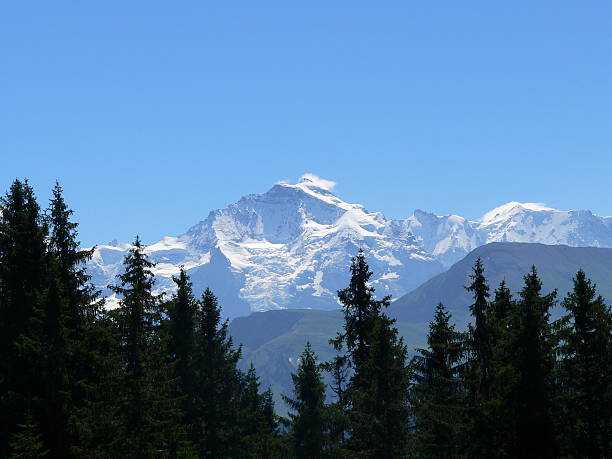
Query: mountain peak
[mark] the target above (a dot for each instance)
(312, 180)
(291, 246)
(505, 211)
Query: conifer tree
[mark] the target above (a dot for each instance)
(437, 395)
(379, 412)
(500, 420)
(55, 396)
(480, 334)
(585, 371)
(307, 421)
(377, 390)
(360, 311)
(257, 436)
(502, 305)
(26, 442)
(22, 279)
(528, 387)
(336, 412)
(150, 421)
(480, 365)
(71, 312)
(217, 380)
(182, 326)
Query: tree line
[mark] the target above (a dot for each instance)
(158, 377)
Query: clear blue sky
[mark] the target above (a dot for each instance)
(153, 113)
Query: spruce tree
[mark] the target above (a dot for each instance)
(379, 413)
(150, 421)
(436, 393)
(360, 311)
(55, 398)
(585, 371)
(26, 442)
(217, 380)
(71, 314)
(377, 390)
(501, 423)
(307, 421)
(480, 365)
(528, 390)
(181, 343)
(336, 412)
(256, 422)
(480, 334)
(22, 282)
(502, 305)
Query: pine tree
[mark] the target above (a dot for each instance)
(217, 380)
(480, 369)
(307, 422)
(379, 412)
(377, 390)
(257, 424)
(150, 421)
(528, 388)
(360, 311)
(502, 305)
(182, 326)
(437, 394)
(22, 281)
(584, 371)
(480, 334)
(500, 419)
(336, 412)
(55, 397)
(26, 442)
(71, 312)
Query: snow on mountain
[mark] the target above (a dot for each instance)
(291, 246)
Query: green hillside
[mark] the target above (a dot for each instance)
(556, 265)
(273, 340)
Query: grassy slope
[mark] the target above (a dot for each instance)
(288, 331)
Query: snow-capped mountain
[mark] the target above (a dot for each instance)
(291, 246)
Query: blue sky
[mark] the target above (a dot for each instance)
(153, 113)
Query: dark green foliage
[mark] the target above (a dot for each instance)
(502, 305)
(584, 371)
(181, 347)
(526, 391)
(336, 413)
(217, 380)
(379, 414)
(149, 420)
(26, 442)
(71, 311)
(437, 393)
(377, 392)
(22, 283)
(307, 420)
(257, 435)
(481, 336)
(480, 365)
(360, 311)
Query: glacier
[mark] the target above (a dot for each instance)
(291, 246)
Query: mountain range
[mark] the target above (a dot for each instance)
(291, 246)
(273, 340)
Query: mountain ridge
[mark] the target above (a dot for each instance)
(291, 246)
